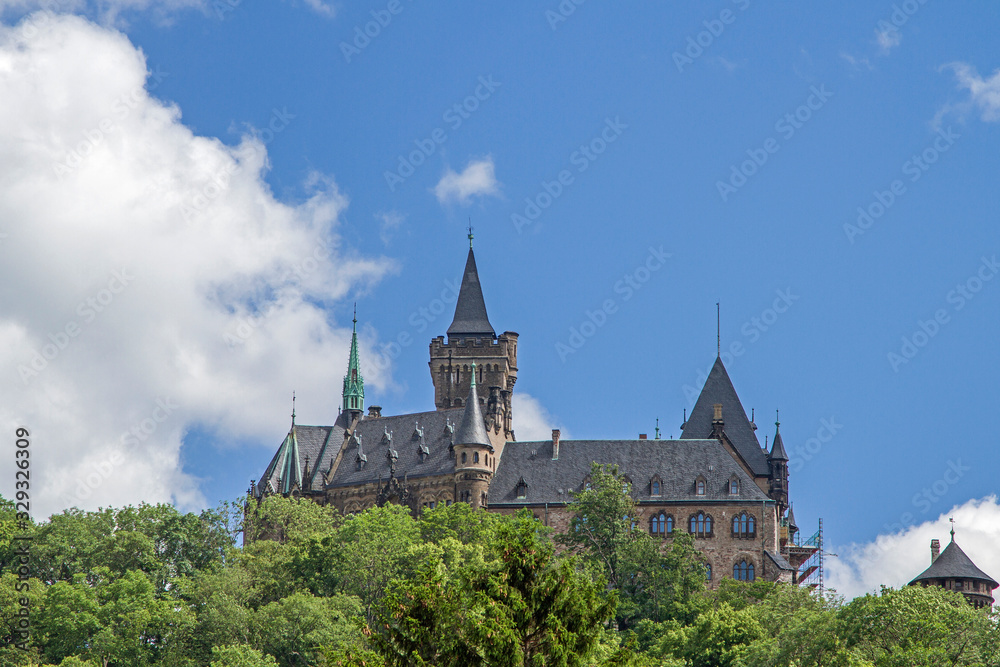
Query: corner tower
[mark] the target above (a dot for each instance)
(475, 457)
(473, 344)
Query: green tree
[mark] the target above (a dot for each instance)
(719, 637)
(295, 629)
(520, 606)
(458, 521)
(240, 655)
(917, 627)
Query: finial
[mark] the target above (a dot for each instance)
(657, 428)
(718, 330)
(355, 316)
(684, 423)
(293, 407)
(473, 374)
(952, 519)
(777, 420)
(470, 231)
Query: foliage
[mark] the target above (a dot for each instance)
(240, 655)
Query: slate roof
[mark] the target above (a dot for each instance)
(677, 462)
(433, 431)
(778, 447)
(313, 445)
(719, 389)
(472, 430)
(471, 320)
(954, 564)
(780, 561)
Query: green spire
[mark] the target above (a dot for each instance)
(354, 384)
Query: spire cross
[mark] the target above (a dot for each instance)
(470, 231)
(952, 519)
(293, 407)
(355, 315)
(777, 419)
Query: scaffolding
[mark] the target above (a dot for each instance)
(811, 572)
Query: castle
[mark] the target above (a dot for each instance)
(715, 482)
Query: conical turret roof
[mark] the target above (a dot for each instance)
(954, 564)
(471, 320)
(472, 430)
(777, 447)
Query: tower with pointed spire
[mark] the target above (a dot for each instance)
(354, 384)
(777, 459)
(475, 456)
(472, 342)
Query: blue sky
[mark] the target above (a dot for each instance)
(828, 174)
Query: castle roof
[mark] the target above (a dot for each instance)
(678, 464)
(778, 447)
(471, 320)
(954, 564)
(719, 389)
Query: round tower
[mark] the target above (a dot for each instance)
(474, 455)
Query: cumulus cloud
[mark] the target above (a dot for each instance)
(150, 281)
(477, 179)
(984, 93)
(109, 11)
(894, 560)
(532, 421)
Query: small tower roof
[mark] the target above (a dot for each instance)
(472, 430)
(354, 384)
(777, 447)
(791, 518)
(471, 320)
(954, 564)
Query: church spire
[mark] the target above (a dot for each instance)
(471, 320)
(354, 384)
(472, 430)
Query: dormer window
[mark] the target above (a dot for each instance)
(522, 488)
(734, 486)
(654, 489)
(699, 486)
(655, 486)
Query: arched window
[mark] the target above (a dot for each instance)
(700, 525)
(475, 457)
(734, 487)
(463, 457)
(655, 489)
(670, 525)
(699, 487)
(744, 526)
(522, 488)
(708, 571)
(743, 571)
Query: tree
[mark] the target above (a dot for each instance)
(240, 655)
(719, 637)
(295, 629)
(520, 605)
(917, 626)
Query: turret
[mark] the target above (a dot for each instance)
(354, 384)
(475, 458)
(778, 462)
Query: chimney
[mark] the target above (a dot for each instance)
(642, 436)
(555, 444)
(935, 550)
(374, 411)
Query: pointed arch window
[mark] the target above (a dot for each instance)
(661, 525)
(734, 486)
(699, 486)
(700, 525)
(743, 571)
(708, 571)
(744, 526)
(656, 486)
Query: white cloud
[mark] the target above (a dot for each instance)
(894, 560)
(858, 62)
(156, 271)
(477, 179)
(888, 39)
(106, 11)
(532, 421)
(321, 8)
(984, 93)
(389, 224)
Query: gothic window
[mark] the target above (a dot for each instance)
(654, 526)
(475, 457)
(708, 571)
(734, 487)
(743, 571)
(670, 525)
(463, 457)
(522, 488)
(661, 525)
(700, 525)
(744, 526)
(699, 486)
(654, 489)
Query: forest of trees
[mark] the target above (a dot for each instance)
(148, 585)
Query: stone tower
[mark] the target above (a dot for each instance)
(475, 457)
(472, 342)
